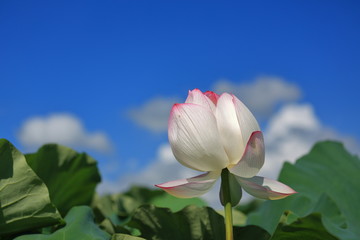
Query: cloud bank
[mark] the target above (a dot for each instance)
(154, 114)
(163, 168)
(64, 129)
(262, 95)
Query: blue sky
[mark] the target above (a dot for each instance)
(97, 61)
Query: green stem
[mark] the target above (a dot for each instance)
(225, 185)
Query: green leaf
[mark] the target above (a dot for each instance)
(249, 207)
(135, 197)
(190, 223)
(250, 232)
(160, 198)
(327, 181)
(70, 177)
(124, 204)
(121, 236)
(307, 228)
(113, 211)
(24, 198)
(79, 225)
(175, 204)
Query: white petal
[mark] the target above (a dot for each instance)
(265, 188)
(229, 129)
(197, 97)
(253, 158)
(191, 187)
(246, 121)
(194, 138)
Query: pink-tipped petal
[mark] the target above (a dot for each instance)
(197, 97)
(253, 158)
(194, 138)
(229, 129)
(246, 121)
(191, 187)
(212, 96)
(265, 188)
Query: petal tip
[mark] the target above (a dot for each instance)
(280, 195)
(195, 90)
(212, 96)
(161, 185)
(265, 188)
(177, 106)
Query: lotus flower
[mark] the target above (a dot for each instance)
(209, 133)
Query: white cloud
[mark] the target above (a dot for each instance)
(164, 168)
(61, 128)
(261, 95)
(292, 132)
(154, 114)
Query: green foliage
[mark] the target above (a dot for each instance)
(250, 206)
(327, 180)
(118, 207)
(79, 225)
(24, 198)
(33, 189)
(307, 228)
(121, 236)
(70, 177)
(142, 195)
(190, 223)
(113, 212)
